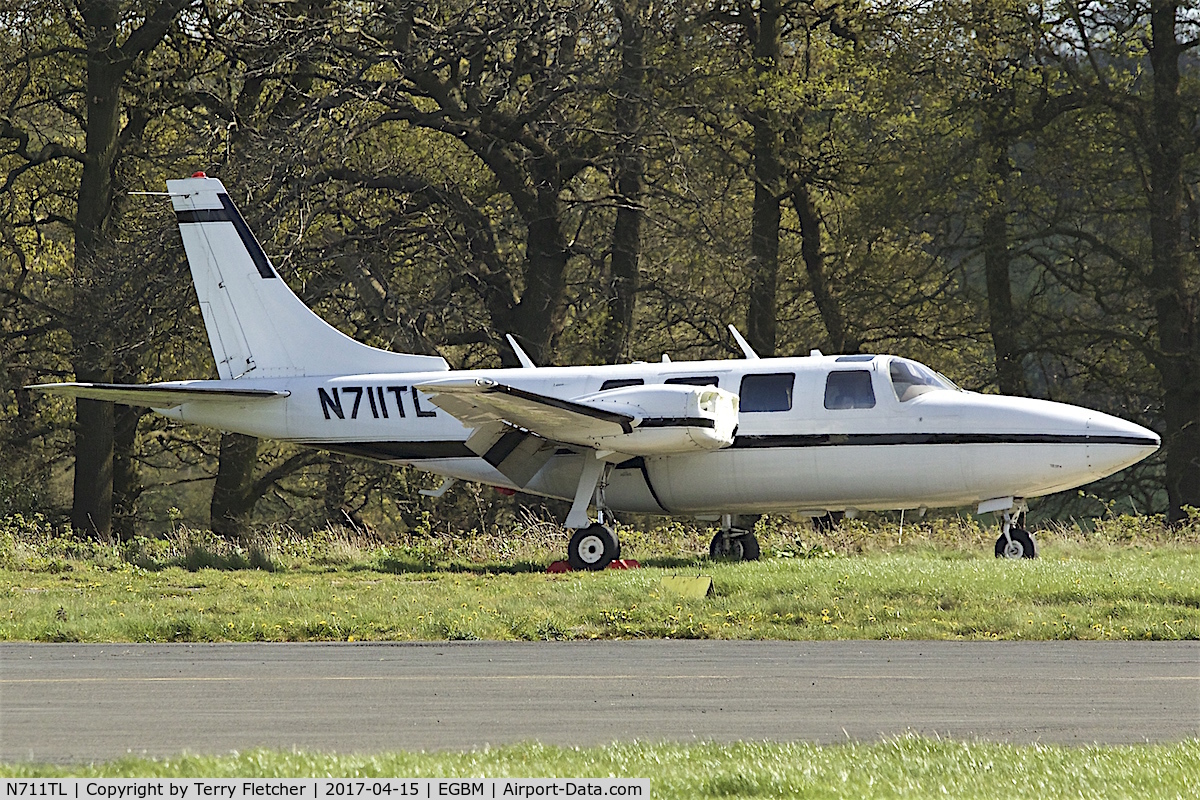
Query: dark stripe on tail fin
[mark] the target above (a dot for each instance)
(250, 316)
(252, 246)
(203, 215)
(230, 214)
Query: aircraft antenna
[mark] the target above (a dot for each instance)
(526, 361)
(742, 343)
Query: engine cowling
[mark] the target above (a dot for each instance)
(669, 418)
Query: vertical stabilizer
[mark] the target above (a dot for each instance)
(257, 327)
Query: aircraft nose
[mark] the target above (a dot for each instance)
(1115, 443)
(1110, 429)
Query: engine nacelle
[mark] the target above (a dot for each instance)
(669, 418)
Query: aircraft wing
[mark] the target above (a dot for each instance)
(480, 401)
(155, 395)
(517, 431)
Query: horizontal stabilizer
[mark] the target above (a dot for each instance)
(157, 395)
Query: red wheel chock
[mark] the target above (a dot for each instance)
(620, 563)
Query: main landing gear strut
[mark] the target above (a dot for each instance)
(734, 542)
(1015, 541)
(594, 545)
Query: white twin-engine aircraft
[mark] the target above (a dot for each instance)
(712, 439)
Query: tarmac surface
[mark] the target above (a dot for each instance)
(72, 703)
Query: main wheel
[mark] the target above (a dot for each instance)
(734, 547)
(1018, 544)
(593, 547)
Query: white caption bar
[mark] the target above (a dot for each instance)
(321, 788)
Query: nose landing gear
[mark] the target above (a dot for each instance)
(1015, 541)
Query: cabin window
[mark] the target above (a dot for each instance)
(698, 380)
(767, 392)
(617, 383)
(910, 379)
(849, 389)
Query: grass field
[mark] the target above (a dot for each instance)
(909, 767)
(1125, 579)
(943, 583)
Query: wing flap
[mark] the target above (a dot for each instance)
(157, 395)
(516, 454)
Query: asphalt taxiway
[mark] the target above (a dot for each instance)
(71, 703)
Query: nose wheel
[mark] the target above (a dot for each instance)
(1015, 541)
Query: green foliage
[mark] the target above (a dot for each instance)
(941, 582)
(18, 497)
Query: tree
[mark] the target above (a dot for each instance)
(787, 53)
(501, 87)
(1101, 49)
(629, 173)
(276, 64)
(79, 74)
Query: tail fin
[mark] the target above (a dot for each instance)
(257, 327)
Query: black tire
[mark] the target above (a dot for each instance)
(734, 547)
(1019, 544)
(750, 549)
(592, 548)
(617, 539)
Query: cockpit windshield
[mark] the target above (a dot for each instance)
(910, 379)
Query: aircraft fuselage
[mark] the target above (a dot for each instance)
(943, 447)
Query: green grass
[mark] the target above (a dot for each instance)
(907, 767)
(1125, 580)
(342, 590)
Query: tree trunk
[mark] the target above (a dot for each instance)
(627, 229)
(108, 62)
(233, 495)
(764, 246)
(1002, 316)
(840, 340)
(91, 510)
(1178, 360)
(764, 225)
(538, 318)
(127, 483)
(996, 103)
(337, 478)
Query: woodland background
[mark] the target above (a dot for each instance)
(1004, 190)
